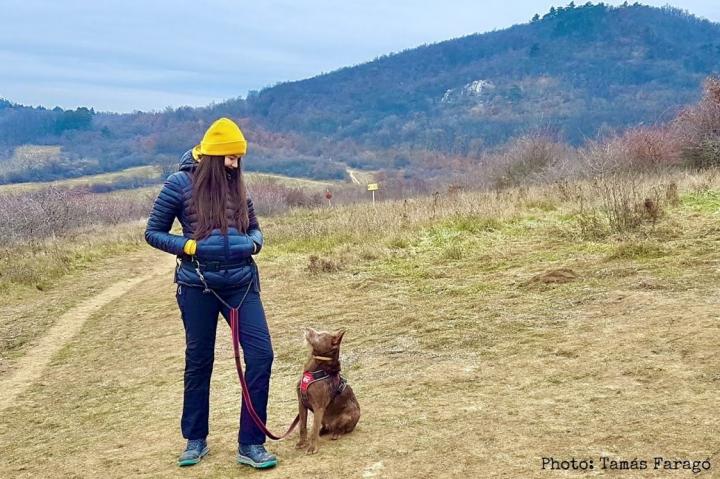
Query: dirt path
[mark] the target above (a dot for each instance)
(352, 176)
(29, 368)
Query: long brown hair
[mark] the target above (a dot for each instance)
(218, 197)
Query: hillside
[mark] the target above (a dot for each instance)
(573, 73)
(484, 332)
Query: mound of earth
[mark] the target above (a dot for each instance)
(555, 276)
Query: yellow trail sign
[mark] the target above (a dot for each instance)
(373, 187)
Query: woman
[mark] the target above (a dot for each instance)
(220, 235)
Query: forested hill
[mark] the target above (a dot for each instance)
(574, 72)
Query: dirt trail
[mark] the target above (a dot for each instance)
(29, 368)
(352, 176)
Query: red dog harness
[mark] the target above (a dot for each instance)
(308, 378)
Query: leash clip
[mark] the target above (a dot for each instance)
(196, 263)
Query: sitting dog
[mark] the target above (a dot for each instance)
(324, 391)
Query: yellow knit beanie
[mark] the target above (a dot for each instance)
(221, 139)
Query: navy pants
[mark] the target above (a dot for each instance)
(200, 317)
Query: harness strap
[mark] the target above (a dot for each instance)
(320, 375)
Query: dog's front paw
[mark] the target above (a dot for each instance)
(301, 444)
(312, 449)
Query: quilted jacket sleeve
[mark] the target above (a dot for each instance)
(167, 207)
(254, 227)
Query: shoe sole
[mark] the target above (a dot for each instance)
(257, 465)
(192, 462)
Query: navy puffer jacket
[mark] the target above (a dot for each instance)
(226, 259)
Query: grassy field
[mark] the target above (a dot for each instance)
(150, 172)
(484, 332)
(135, 173)
(290, 182)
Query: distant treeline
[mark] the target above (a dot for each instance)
(92, 143)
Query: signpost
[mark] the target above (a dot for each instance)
(373, 187)
(328, 197)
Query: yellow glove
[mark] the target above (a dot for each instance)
(190, 247)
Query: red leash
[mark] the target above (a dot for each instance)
(234, 324)
(234, 327)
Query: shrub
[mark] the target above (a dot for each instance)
(651, 148)
(703, 154)
(296, 197)
(672, 197)
(269, 196)
(698, 128)
(626, 202)
(525, 160)
(318, 265)
(592, 225)
(53, 211)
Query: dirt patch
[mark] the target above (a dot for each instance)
(555, 276)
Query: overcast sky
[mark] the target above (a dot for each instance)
(125, 55)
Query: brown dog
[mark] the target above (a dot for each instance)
(324, 391)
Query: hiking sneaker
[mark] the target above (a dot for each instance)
(195, 450)
(256, 456)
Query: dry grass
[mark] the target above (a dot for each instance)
(306, 230)
(38, 264)
(462, 364)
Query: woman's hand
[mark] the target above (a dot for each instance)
(190, 247)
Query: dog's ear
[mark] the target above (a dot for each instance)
(337, 337)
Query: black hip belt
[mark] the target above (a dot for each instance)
(214, 266)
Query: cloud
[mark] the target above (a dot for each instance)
(130, 54)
